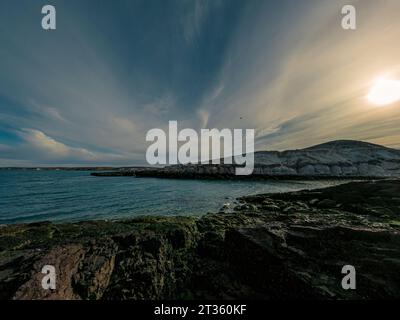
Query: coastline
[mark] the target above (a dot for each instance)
(165, 174)
(272, 246)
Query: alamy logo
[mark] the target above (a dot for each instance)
(186, 146)
(349, 21)
(349, 280)
(49, 280)
(49, 20)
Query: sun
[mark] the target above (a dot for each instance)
(384, 91)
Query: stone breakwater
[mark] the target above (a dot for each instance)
(272, 246)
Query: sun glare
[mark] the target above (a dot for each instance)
(384, 91)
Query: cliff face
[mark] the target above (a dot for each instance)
(336, 158)
(278, 246)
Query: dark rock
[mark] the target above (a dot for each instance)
(275, 246)
(326, 203)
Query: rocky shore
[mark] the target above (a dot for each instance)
(273, 246)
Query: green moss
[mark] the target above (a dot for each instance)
(395, 223)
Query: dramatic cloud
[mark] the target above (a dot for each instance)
(50, 147)
(90, 90)
(300, 79)
(41, 147)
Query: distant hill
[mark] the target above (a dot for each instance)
(335, 158)
(341, 159)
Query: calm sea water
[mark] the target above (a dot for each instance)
(30, 196)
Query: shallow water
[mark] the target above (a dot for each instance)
(62, 196)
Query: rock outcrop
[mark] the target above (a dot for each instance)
(273, 246)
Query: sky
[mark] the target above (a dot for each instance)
(88, 92)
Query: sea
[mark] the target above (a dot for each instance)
(28, 196)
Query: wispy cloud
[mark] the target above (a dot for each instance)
(90, 91)
(195, 16)
(298, 78)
